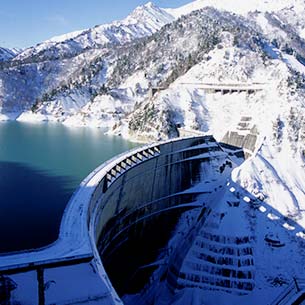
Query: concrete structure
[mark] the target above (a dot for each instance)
(126, 190)
(183, 132)
(225, 88)
(294, 294)
(130, 205)
(242, 140)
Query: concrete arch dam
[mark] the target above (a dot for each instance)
(118, 223)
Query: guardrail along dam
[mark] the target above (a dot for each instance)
(162, 224)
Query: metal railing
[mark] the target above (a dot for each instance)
(288, 295)
(119, 168)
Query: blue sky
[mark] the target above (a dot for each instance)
(24, 23)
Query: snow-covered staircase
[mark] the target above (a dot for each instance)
(217, 252)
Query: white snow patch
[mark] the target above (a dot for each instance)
(262, 209)
(236, 6)
(31, 117)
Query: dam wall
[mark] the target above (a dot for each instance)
(115, 200)
(139, 198)
(141, 189)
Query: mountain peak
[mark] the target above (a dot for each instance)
(150, 14)
(149, 4)
(143, 21)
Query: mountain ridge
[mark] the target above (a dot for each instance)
(8, 54)
(143, 21)
(237, 6)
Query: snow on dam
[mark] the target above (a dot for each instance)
(115, 200)
(125, 218)
(150, 223)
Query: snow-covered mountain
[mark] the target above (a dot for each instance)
(7, 54)
(210, 66)
(239, 6)
(72, 59)
(143, 21)
(85, 62)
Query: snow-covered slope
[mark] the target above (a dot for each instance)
(238, 6)
(7, 54)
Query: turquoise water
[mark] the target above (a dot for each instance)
(40, 167)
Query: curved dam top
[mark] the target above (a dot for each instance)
(79, 231)
(160, 222)
(74, 238)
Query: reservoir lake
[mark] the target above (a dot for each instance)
(41, 165)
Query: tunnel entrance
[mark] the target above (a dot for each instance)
(131, 263)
